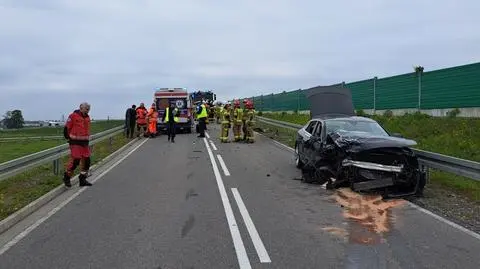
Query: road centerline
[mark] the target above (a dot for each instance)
(242, 257)
(213, 145)
(257, 241)
(224, 166)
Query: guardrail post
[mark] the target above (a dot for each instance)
(56, 166)
(427, 172)
(110, 143)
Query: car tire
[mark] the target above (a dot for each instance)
(298, 161)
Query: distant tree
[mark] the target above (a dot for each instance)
(14, 119)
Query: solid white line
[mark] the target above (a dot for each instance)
(213, 145)
(257, 241)
(24, 233)
(284, 146)
(242, 257)
(207, 135)
(224, 166)
(423, 210)
(437, 217)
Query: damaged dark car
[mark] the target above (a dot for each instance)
(343, 150)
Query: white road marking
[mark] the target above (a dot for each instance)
(213, 145)
(284, 146)
(242, 257)
(32, 227)
(224, 166)
(442, 219)
(423, 210)
(257, 241)
(207, 135)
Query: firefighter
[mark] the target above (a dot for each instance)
(218, 111)
(226, 122)
(152, 117)
(244, 120)
(250, 122)
(170, 117)
(77, 132)
(141, 119)
(237, 120)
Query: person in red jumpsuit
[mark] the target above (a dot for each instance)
(77, 132)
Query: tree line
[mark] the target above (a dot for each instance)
(13, 119)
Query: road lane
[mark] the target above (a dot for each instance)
(159, 210)
(304, 226)
(152, 211)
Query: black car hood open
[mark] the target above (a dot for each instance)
(358, 141)
(330, 100)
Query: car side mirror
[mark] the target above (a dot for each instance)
(399, 135)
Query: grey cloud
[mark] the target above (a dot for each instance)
(115, 52)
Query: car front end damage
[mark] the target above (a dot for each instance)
(371, 164)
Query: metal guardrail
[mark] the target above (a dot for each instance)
(16, 166)
(21, 138)
(457, 166)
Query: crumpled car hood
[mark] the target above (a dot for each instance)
(358, 141)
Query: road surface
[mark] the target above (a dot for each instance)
(199, 203)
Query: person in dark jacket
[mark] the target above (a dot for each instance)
(170, 117)
(130, 119)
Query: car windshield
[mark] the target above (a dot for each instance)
(357, 126)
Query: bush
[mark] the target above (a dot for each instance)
(361, 113)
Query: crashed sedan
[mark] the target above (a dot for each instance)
(343, 150)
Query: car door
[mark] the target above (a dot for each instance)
(304, 135)
(315, 142)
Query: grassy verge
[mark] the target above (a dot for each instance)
(458, 137)
(459, 185)
(96, 127)
(14, 149)
(20, 190)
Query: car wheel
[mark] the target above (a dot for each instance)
(298, 162)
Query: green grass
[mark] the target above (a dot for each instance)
(20, 190)
(10, 150)
(459, 137)
(96, 127)
(15, 149)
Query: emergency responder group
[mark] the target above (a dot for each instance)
(77, 128)
(240, 119)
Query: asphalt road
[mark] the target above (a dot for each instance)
(200, 203)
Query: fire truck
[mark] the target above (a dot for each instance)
(179, 96)
(207, 96)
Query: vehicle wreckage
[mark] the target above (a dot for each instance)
(344, 150)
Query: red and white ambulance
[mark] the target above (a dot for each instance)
(179, 96)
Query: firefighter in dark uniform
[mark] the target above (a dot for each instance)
(77, 132)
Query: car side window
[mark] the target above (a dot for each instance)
(311, 127)
(318, 130)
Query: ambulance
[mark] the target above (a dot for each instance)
(179, 96)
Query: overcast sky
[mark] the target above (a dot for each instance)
(55, 54)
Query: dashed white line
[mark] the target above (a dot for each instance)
(213, 145)
(257, 241)
(224, 166)
(207, 135)
(32, 227)
(242, 257)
